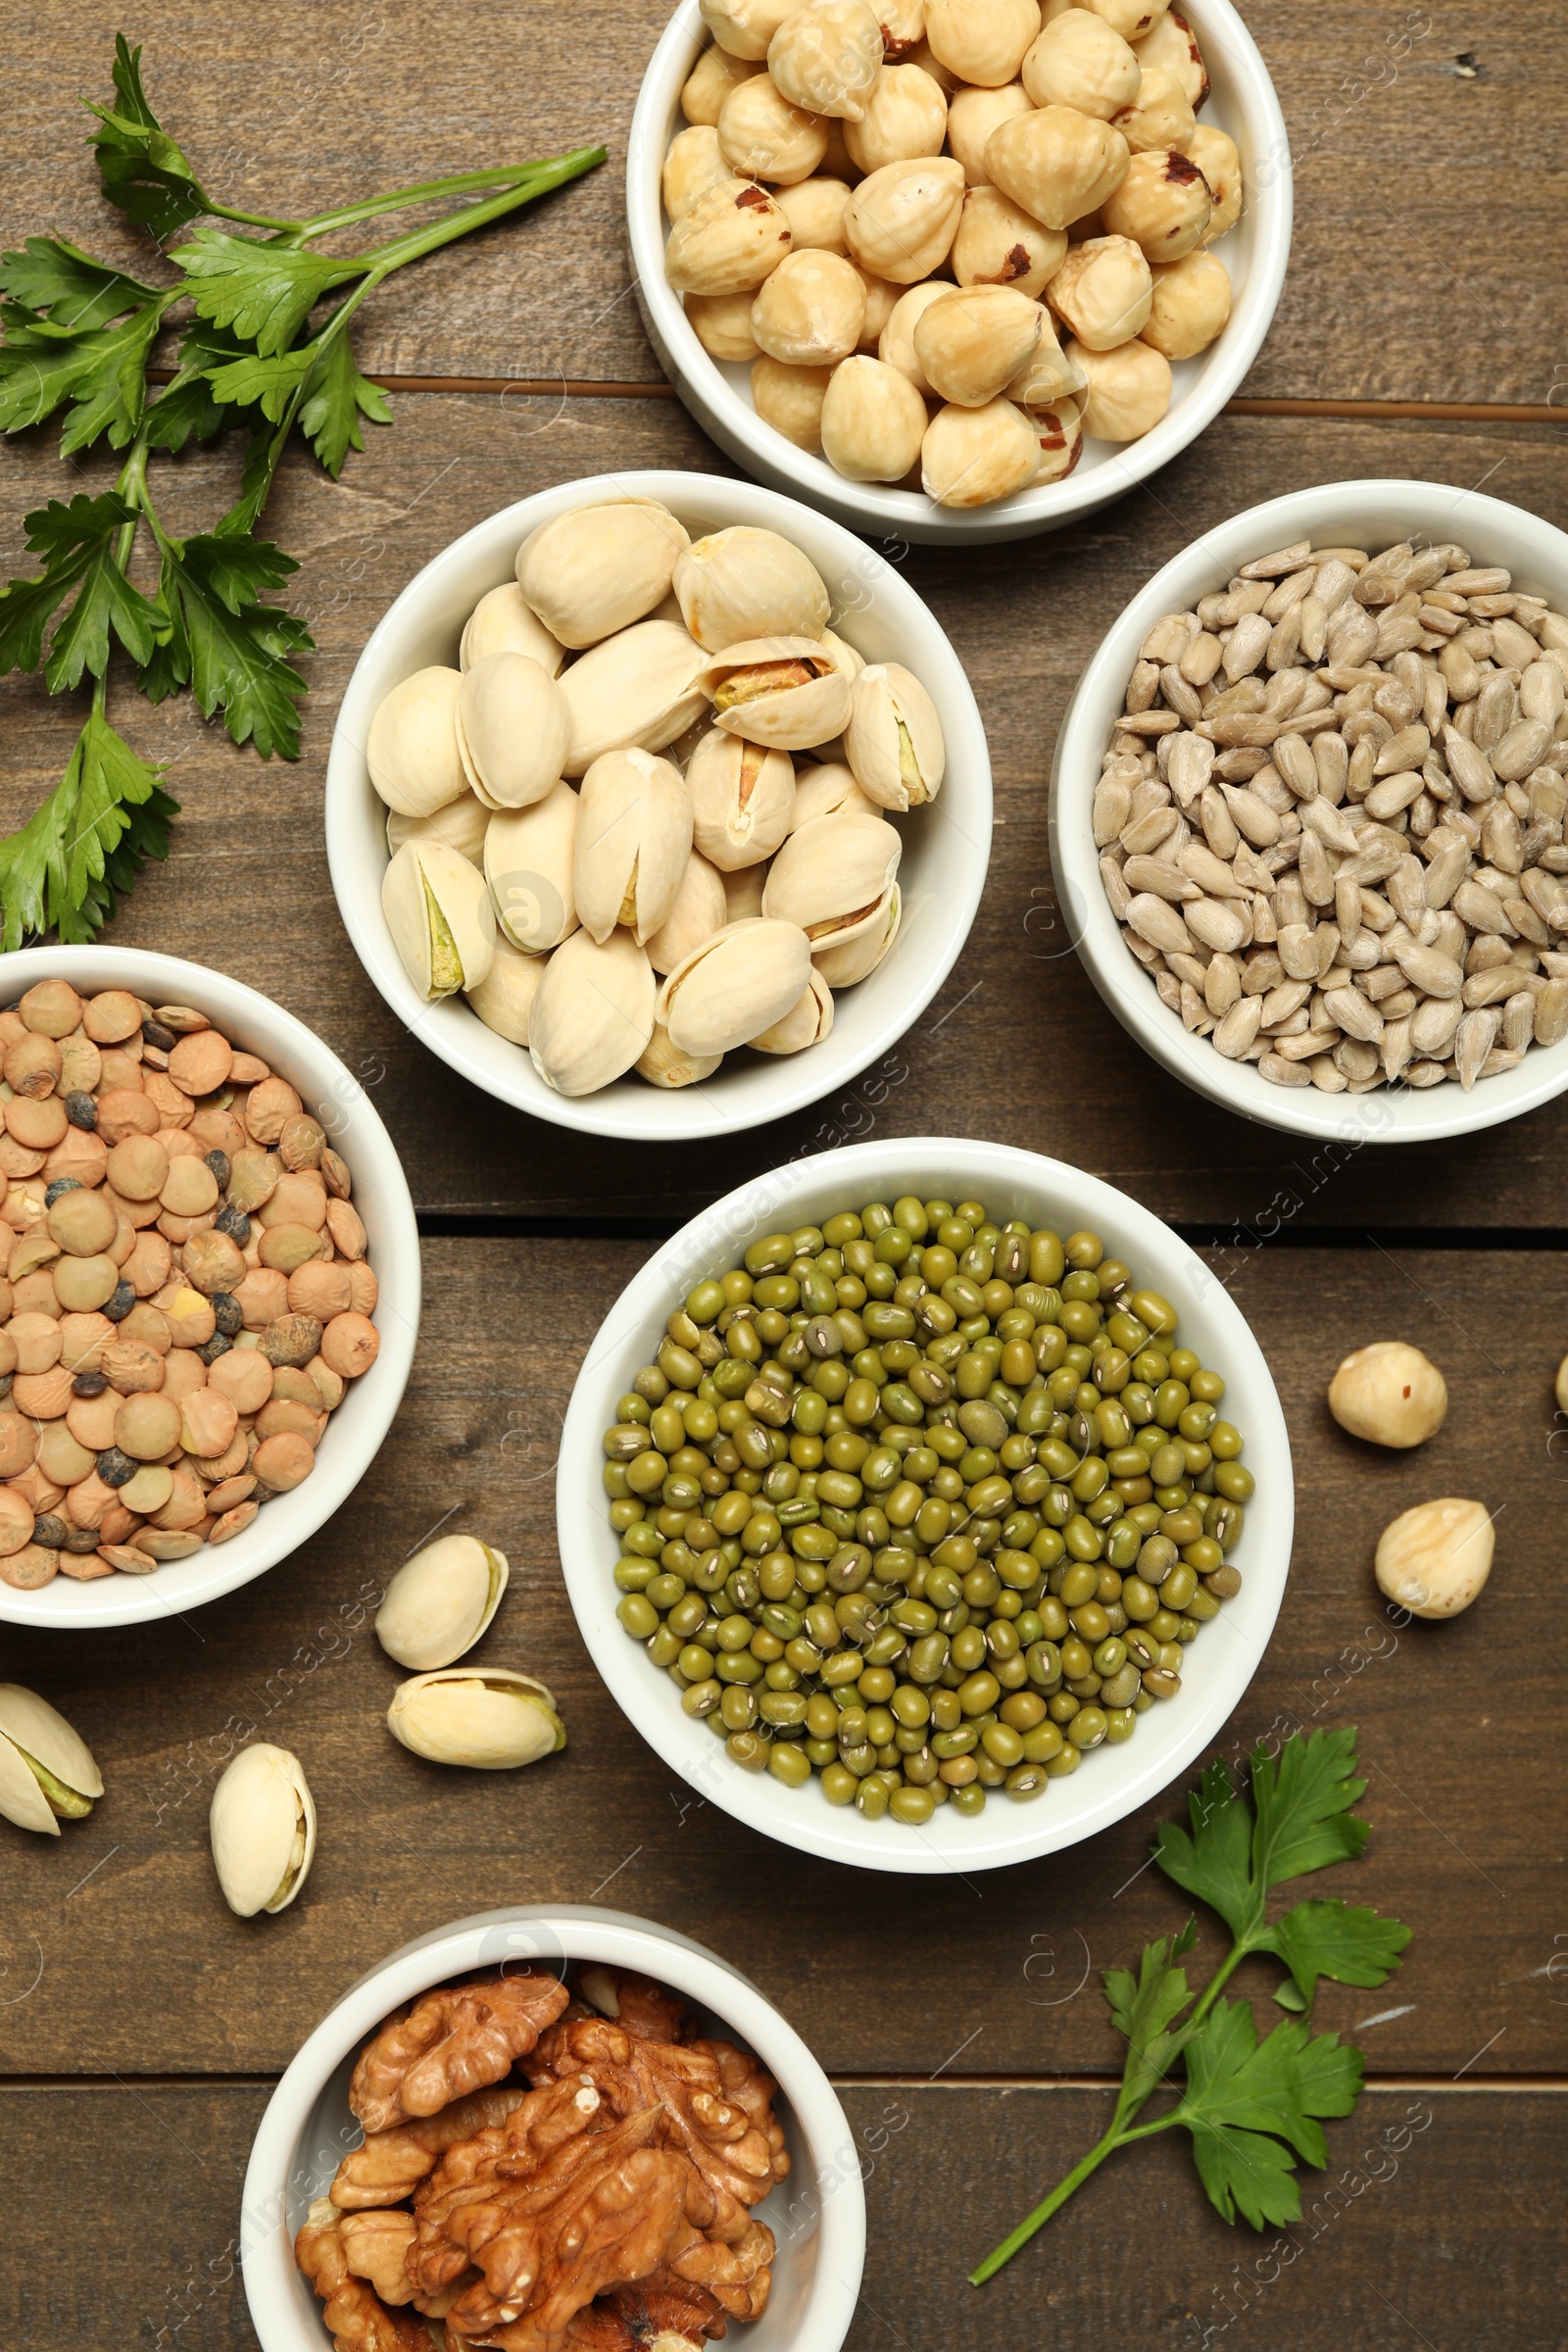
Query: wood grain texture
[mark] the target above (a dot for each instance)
(991, 1975)
(1018, 1046)
(1436, 2220)
(1410, 127)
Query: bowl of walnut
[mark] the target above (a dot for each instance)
(555, 2129)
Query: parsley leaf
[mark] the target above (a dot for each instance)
(101, 370)
(232, 650)
(1142, 2009)
(1244, 2096)
(187, 410)
(144, 172)
(264, 291)
(1353, 1946)
(1214, 1862)
(1304, 1807)
(77, 544)
(86, 843)
(58, 281)
(337, 395)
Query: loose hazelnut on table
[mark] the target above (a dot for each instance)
(1390, 1394)
(1434, 1560)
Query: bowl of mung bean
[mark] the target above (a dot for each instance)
(1313, 782)
(923, 1460)
(195, 1382)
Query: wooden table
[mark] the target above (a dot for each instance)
(141, 2026)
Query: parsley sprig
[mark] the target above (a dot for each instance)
(266, 344)
(1253, 2108)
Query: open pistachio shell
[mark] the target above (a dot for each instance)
(894, 738)
(439, 912)
(639, 688)
(505, 622)
(859, 958)
(527, 863)
(594, 1012)
(460, 824)
(699, 911)
(503, 997)
(737, 984)
(440, 1601)
(786, 691)
(742, 799)
(807, 1021)
(634, 836)
(47, 1773)
(665, 1064)
(832, 877)
(828, 790)
(263, 1826)
(596, 570)
(486, 1718)
(744, 583)
(412, 750)
(513, 724)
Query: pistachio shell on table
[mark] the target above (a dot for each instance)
(440, 1601)
(737, 984)
(592, 572)
(640, 688)
(741, 583)
(262, 1828)
(791, 692)
(503, 621)
(894, 738)
(513, 724)
(700, 908)
(47, 1773)
(742, 799)
(484, 1717)
(828, 790)
(593, 1015)
(806, 1023)
(439, 914)
(461, 824)
(411, 748)
(634, 836)
(859, 958)
(527, 863)
(503, 997)
(832, 877)
(665, 1064)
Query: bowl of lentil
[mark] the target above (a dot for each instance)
(1512, 575)
(961, 1571)
(48, 1583)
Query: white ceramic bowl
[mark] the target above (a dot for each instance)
(1112, 1780)
(354, 1433)
(946, 844)
(818, 2215)
(718, 395)
(1372, 514)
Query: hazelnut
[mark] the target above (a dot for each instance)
(906, 116)
(895, 344)
(982, 42)
(1191, 304)
(1432, 1561)
(1159, 115)
(1126, 391)
(972, 116)
(814, 210)
(1161, 202)
(999, 244)
(1103, 291)
(724, 323)
(970, 457)
(973, 341)
(790, 400)
(810, 312)
(764, 137)
(873, 421)
(1216, 157)
(1389, 1394)
(694, 161)
(1056, 163)
(900, 221)
(1078, 61)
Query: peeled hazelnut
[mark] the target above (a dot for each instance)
(743, 28)
(1169, 47)
(1217, 158)
(695, 161)
(973, 341)
(1047, 376)
(729, 239)
(711, 81)
(1158, 116)
(1432, 1561)
(1056, 163)
(1078, 61)
(1389, 1394)
(982, 42)
(1161, 202)
(1132, 19)
(763, 136)
(790, 400)
(1189, 306)
(1102, 291)
(881, 298)
(1059, 431)
(903, 25)
(999, 244)
(972, 116)
(814, 210)
(900, 222)
(873, 421)
(906, 115)
(1561, 1390)
(722, 324)
(1126, 391)
(896, 343)
(827, 58)
(810, 312)
(971, 457)
(924, 56)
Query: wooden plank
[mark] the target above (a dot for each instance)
(1420, 2230)
(1416, 271)
(879, 1972)
(1018, 1046)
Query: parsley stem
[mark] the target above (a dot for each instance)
(425, 191)
(1019, 2237)
(419, 241)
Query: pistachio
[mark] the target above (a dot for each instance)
(593, 1012)
(744, 582)
(596, 569)
(1103, 290)
(47, 1773)
(831, 877)
(811, 311)
(742, 799)
(735, 985)
(439, 912)
(1078, 61)
(761, 135)
(972, 457)
(790, 399)
(639, 688)
(786, 691)
(633, 838)
(503, 997)
(512, 726)
(1389, 1394)
(698, 910)
(894, 738)
(412, 750)
(727, 240)
(1162, 202)
(1189, 306)
(830, 789)
(1056, 163)
(527, 863)
(502, 621)
(873, 421)
(807, 1021)
(907, 114)
(486, 1718)
(973, 341)
(972, 116)
(694, 162)
(263, 1828)
(1432, 1561)
(743, 27)
(900, 221)
(1126, 391)
(742, 893)
(827, 58)
(461, 824)
(440, 1601)
(999, 244)
(859, 958)
(665, 1064)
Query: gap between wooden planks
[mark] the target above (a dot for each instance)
(1388, 2083)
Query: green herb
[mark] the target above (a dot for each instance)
(1253, 2108)
(265, 343)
